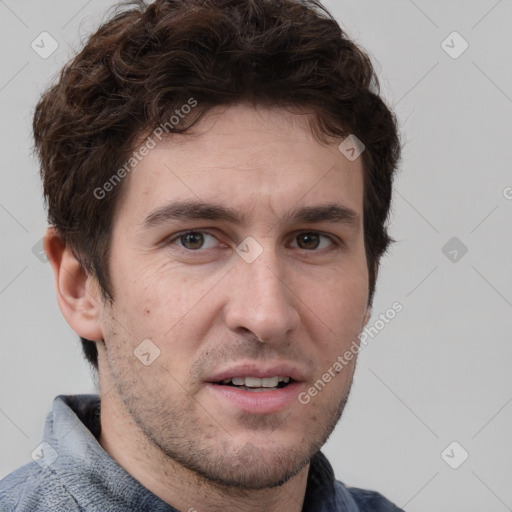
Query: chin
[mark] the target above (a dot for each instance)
(255, 467)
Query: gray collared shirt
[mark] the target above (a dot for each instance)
(72, 473)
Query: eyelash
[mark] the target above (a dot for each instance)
(170, 241)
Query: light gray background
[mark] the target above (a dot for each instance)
(440, 371)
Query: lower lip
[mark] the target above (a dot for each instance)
(263, 402)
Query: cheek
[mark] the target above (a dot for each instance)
(335, 310)
(148, 289)
(168, 307)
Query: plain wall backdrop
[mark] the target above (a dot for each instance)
(434, 385)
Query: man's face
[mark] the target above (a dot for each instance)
(287, 303)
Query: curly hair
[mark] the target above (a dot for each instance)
(146, 61)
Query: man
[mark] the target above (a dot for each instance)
(218, 178)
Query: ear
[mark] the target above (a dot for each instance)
(367, 315)
(77, 292)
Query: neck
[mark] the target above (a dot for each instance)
(175, 484)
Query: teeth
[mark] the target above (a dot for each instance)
(253, 382)
(269, 382)
(256, 382)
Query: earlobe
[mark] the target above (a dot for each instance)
(77, 293)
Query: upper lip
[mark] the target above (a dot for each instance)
(258, 369)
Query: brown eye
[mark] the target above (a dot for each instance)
(192, 240)
(195, 241)
(308, 240)
(313, 240)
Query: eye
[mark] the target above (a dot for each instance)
(312, 240)
(194, 240)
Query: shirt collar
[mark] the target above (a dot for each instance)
(90, 474)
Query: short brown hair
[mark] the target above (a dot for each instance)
(147, 61)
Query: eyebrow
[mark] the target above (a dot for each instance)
(188, 210)
(323, 213)
(185, 210)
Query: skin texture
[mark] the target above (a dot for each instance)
(207, 309)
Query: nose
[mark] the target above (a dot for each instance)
(261, 301)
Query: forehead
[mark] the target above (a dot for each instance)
(248, 158)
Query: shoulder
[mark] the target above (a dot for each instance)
(366, 501)
(32, 488)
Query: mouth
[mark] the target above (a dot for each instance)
(257, 384)
(257, 389)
